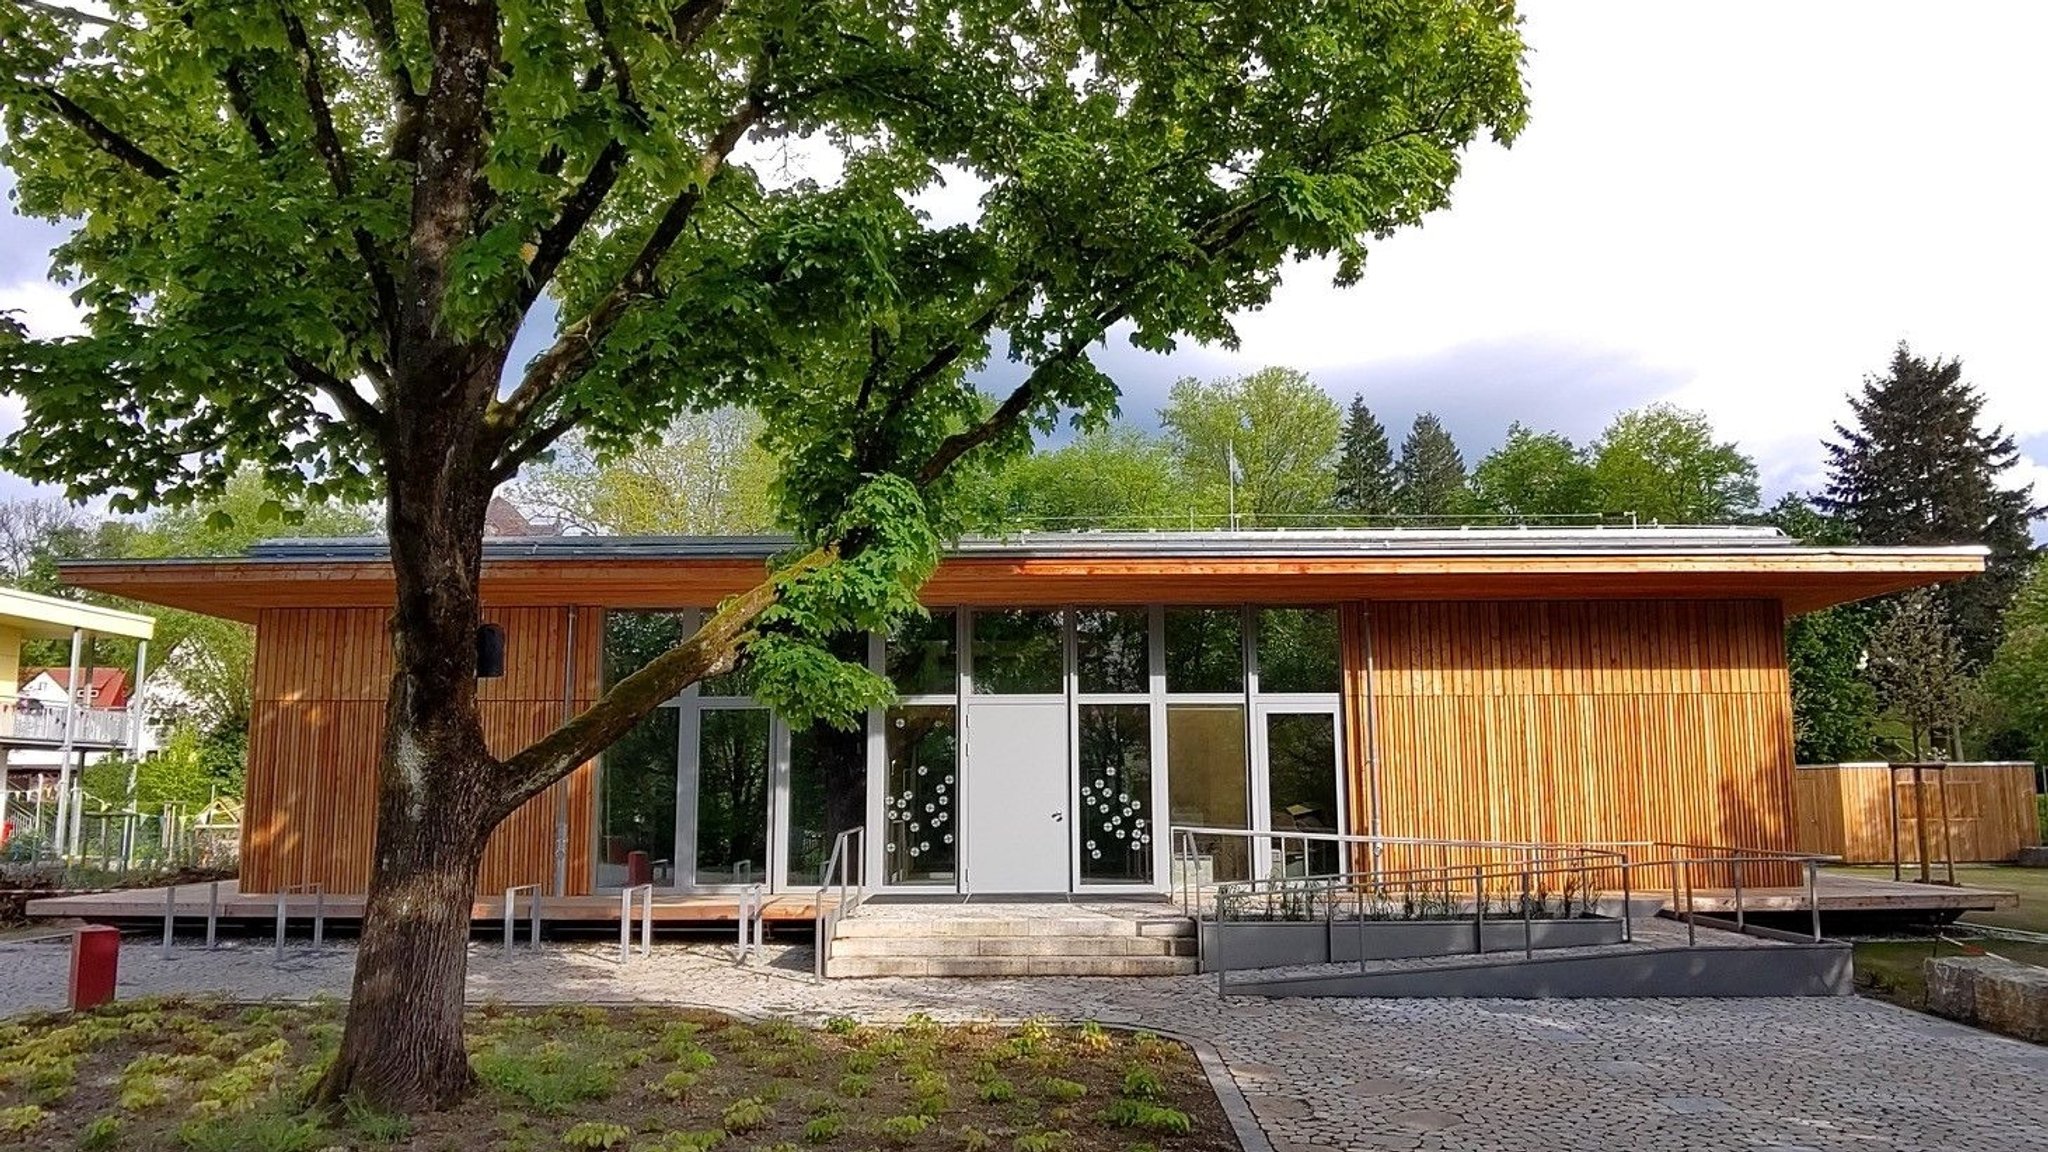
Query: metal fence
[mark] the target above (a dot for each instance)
(115, 840)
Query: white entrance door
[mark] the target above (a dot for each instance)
(1016, 797)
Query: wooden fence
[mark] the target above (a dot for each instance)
(1848, 809)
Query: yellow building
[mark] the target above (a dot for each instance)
(52, 719)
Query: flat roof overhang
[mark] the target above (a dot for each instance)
(1051, 572)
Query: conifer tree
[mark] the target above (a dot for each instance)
(1365, 464)
(1918, 467)
(1430, 478)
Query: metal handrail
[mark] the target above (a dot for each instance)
(284, 893)
(752, 914)
(847, 854)
(212, 916)
(646, 892)
(532, 915)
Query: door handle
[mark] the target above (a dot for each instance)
(1059, 816)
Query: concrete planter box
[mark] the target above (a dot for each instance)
(1275, 944)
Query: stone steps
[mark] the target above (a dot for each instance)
(957, 945)
(1041, 942)
(858, 966)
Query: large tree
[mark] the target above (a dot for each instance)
(311, 233)
(1114, 477)
(1917, 668)
(1534, 475)
(1662, 464)
(704, 474)
(1278, 426)
(2015, 684)
(1834, 708)
(1917, 465)
(1365, 464)
(1430, 476)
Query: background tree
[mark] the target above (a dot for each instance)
(1365, 464)
(1114, 477)
(1534, 475)
(1917, 667)
(1916, 467)
(706, 475)
(1282, 428)
(2015, 684)
(1662, 463)
(312, 232)
(1430, 477)
(1834, 707)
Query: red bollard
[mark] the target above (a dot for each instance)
(639, 870)
(95, 964)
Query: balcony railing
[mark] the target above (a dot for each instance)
(43, 723)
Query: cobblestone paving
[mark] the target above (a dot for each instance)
(1493, 1075)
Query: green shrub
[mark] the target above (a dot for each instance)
(996, 1090)
(901, 1130)
(596, 1137)
(1042, 1140)
(104, 1132)
(1148, 1117)
(842, 1025)
(823, 1129)
(746, 1113)
(1142, 1083)
(856, 1086)
(548, 1077)
(1055, 1088)
(20, 1118)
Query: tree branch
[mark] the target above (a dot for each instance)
(71, 14)
(327, 142)
(712, 649)
(573, 350)
(108, 140)
(517, 456)
(354, 408)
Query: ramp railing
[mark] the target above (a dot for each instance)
(844, 868)
(532, 915)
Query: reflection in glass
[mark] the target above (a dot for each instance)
(633, 639)
(1016, 650)
(918, 827)
(1111, 649)
(732, 795)
(1206, 773)
(920, 656)
(1204, 650)
(1116, 793)
(636, 788)
(1301, 778)
(1298, 650)
(828, 793)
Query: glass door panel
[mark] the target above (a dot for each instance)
(1205, 780)
(637, 800)
(921, 749)
(1116, 794)
(1301, 789)
(732, 796)
(828, 793)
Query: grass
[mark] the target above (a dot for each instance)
(202, 1076)
(1893, 969)
(2030, 884)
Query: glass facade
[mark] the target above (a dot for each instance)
(1222, 717)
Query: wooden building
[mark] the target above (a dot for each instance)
(1073, 696)
(1879, 813)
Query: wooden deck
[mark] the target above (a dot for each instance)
(1837, 892)
(147, 904)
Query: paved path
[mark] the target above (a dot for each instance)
(1492, 1075)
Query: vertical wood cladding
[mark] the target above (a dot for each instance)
(1575, 721)
(1846, 810)
(317, 723)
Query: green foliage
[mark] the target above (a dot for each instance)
(20, 1118)
(901, 1130)
(1042, 1140)
(1150, 1117)
(1917, 466)
(705, 474)
(842, 1025)
(1114, 477)
(99, 1134)
(1282, 429)
(1534, 475)
(1143, 1083)
(596, 1136)
(823, 1129)
(746, 1114)
(373, 1125)
(549, 1077)
(995, 1090)
(1065, 1091)
(2016, 683)
(272, 1128)
(855, 1085)
(1662, 464)
(1834, 708)
(1430, 475)
(1366, 482)
(1916, 665)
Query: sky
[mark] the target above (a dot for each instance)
(1737, 207)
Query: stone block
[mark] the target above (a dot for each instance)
(1991, 993)
(2033, 858)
